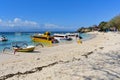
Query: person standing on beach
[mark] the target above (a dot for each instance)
(76, 36)
(78, 39)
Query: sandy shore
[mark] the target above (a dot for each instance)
(94, 59)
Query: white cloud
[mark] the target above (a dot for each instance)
(53, 26)
(29, 25)
(0, 20)
(48, 25)
(17, 22)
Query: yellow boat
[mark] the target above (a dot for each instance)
(21, 46)
(27, 49)
(45, 39)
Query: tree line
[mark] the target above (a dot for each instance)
(112, 25)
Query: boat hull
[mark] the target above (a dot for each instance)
(43, 41)
(2, 40)
(31, 49)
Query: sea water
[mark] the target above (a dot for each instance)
(13, 37)
(25, 37)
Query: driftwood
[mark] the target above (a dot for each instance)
(86, 55)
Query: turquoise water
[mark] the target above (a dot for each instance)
(12, 37)
(86, 36)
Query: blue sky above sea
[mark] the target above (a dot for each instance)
(54, 15)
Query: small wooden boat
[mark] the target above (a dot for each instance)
(27, 49)
(18, 46)
(22, 47)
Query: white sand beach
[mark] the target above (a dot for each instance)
(94, 59)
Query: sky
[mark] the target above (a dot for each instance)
(55, 15)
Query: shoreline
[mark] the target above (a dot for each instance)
(91, 36)
(90, 60)
(66, 42)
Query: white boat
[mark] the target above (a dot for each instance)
(74, 35)
(62, 37)
(3, 38)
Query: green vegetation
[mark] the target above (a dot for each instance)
(102, 26)
(112, 25)
(115, 22)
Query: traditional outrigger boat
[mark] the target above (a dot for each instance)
(19, 46)
(25, 49)
(22, 47)
(45, 38)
